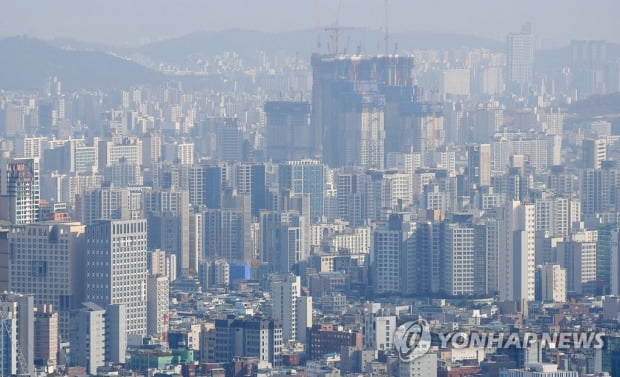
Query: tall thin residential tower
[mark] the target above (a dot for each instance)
(116, 270)
(520, 58)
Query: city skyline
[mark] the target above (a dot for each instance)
(262, 205)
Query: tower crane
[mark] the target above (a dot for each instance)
(387, 29)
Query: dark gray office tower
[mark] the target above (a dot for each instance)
(251, 180)
(419, 128)
(305, 177)
(215, 183)
(167, 212)
(283, 240)
(209, 184)
(479, 165)
(225, 235)
(103, 203)
(229, 137)
(598, 189)
(355, 106)
(351, 195)
(426, 251)
(248, 337)
(588, 54)
(588, 64)
(561, 182)
(288, 131)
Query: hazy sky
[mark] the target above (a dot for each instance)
(130, 22)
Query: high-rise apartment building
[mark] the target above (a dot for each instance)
(289, 308)
(305, 177)
(378, 328)
(20, 191)
(355, 106)
(516, 254)
(111, 152)
(289, 134)
(157, 304)
(196, 241)
(459, 260)
(291, 245)
(162, 263)
(598, 189)
(244, 337)
(17, 333)
(551, 283)
(251, 179)
(385, 254)
(614, 260)
(520, 58)
(104, 203)
(88, 337)
(557, 215)
(167, 212)
(229, 136)
(48, 262)
(489, 119)
(46, 339)
(479, 165)
(594, 153)
(578, 258)
(116, 272)
(225, 234)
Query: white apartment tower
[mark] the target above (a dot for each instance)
(594, 153)
(104, 203)
(553, 283)
(459, 260)
(116, 268)
(378, 328)
(557, 215)
(517, 252)
(157, 304)
(162, 263)
(288, 306)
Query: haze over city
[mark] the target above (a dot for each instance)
(325, 188)
(118, 22)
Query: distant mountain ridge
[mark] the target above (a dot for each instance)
(27, 63)
(304, 43)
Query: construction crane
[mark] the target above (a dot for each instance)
(334, 32)
(387, 29)
(22, 370)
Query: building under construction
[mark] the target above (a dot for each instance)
(362, 107)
